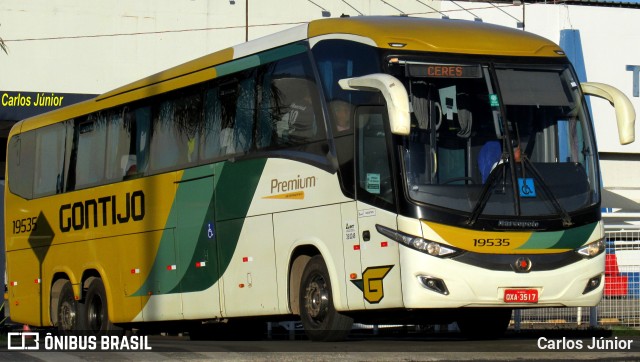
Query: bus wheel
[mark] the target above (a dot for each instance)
(68, 308)
(484, 323)
(320, 320)
(96, 313)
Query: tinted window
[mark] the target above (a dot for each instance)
(49, 162)
(128, 134)
(335, 60)
(229, 108)
(176, 126)
(211, 145)
(91, 151)
(340, 59)
(290, 112)
(375, 184)
(21, 164)
(274, 107)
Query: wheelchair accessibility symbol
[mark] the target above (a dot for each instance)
(210, 232)
(526, 187)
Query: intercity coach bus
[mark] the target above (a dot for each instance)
(370, 169)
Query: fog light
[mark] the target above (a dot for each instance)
(592, 284)
(435, 284)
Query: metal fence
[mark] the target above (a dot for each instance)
(620, 305)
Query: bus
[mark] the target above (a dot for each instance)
(367, 169)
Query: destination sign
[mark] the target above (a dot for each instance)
(444, 71)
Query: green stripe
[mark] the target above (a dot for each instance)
(576, 237)
(542, 240)
(567, 239)
(219, 195)
(265, 57)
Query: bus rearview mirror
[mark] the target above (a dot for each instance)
(394, 93)
(625, 114)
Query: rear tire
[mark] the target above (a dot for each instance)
(69, 310)
(96, 312)
(319, 318)
(484, 323)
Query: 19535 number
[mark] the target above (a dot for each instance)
(25, 225)
(491, 242)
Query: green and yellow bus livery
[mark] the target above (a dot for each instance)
(462, 182)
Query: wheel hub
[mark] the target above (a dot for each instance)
(67, 316)
(317, 299)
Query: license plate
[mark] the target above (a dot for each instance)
(521, 296)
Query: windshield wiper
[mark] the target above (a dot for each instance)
(495, 175)
(566, 218)
(498, 173)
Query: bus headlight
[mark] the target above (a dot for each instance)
(592, 249)
(426, 246)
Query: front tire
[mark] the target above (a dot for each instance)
(319, 318)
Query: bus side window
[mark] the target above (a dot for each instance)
(175, 131)
(211, 147)
(90, 152)
(117, 144)
(242, 139)
(128, 133)
(375, 185)
(289, 104)
(21, 157)
(229, 110)
(49, 162)
(267, 107)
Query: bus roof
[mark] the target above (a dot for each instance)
(418, 34)
(439, 35)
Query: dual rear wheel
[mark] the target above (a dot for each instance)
(90, 316)
(319, 317)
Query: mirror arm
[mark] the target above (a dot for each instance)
(625, 114)
(394, 93)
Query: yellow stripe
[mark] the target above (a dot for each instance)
(495, 242)
(297, 195)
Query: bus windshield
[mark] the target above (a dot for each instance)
(498, 139)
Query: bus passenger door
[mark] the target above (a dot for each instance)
(196, 244)
(380, 275)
